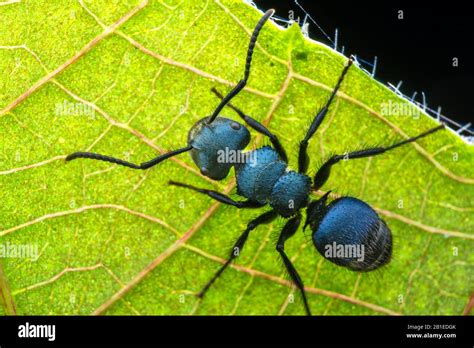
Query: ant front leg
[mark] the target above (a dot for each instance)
(258, 127)
(219, 196)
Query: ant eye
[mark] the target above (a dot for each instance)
(235, 125)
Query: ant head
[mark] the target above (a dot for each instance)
(216, 144)
(349, 233)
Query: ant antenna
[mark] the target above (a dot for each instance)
(243, 82)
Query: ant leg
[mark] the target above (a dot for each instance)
(258, 127)
(288, 231)
(219, 196)
(303, 159)
(243, 82)
(144, 165)
(238, 246)
(323, 173)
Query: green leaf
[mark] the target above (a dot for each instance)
(129, 79)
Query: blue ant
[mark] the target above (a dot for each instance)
(267, 180)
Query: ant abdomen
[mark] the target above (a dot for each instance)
(352, 235)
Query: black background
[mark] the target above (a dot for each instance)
(418, 50)
(192, 330)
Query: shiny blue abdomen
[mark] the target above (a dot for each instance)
(351, 222)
